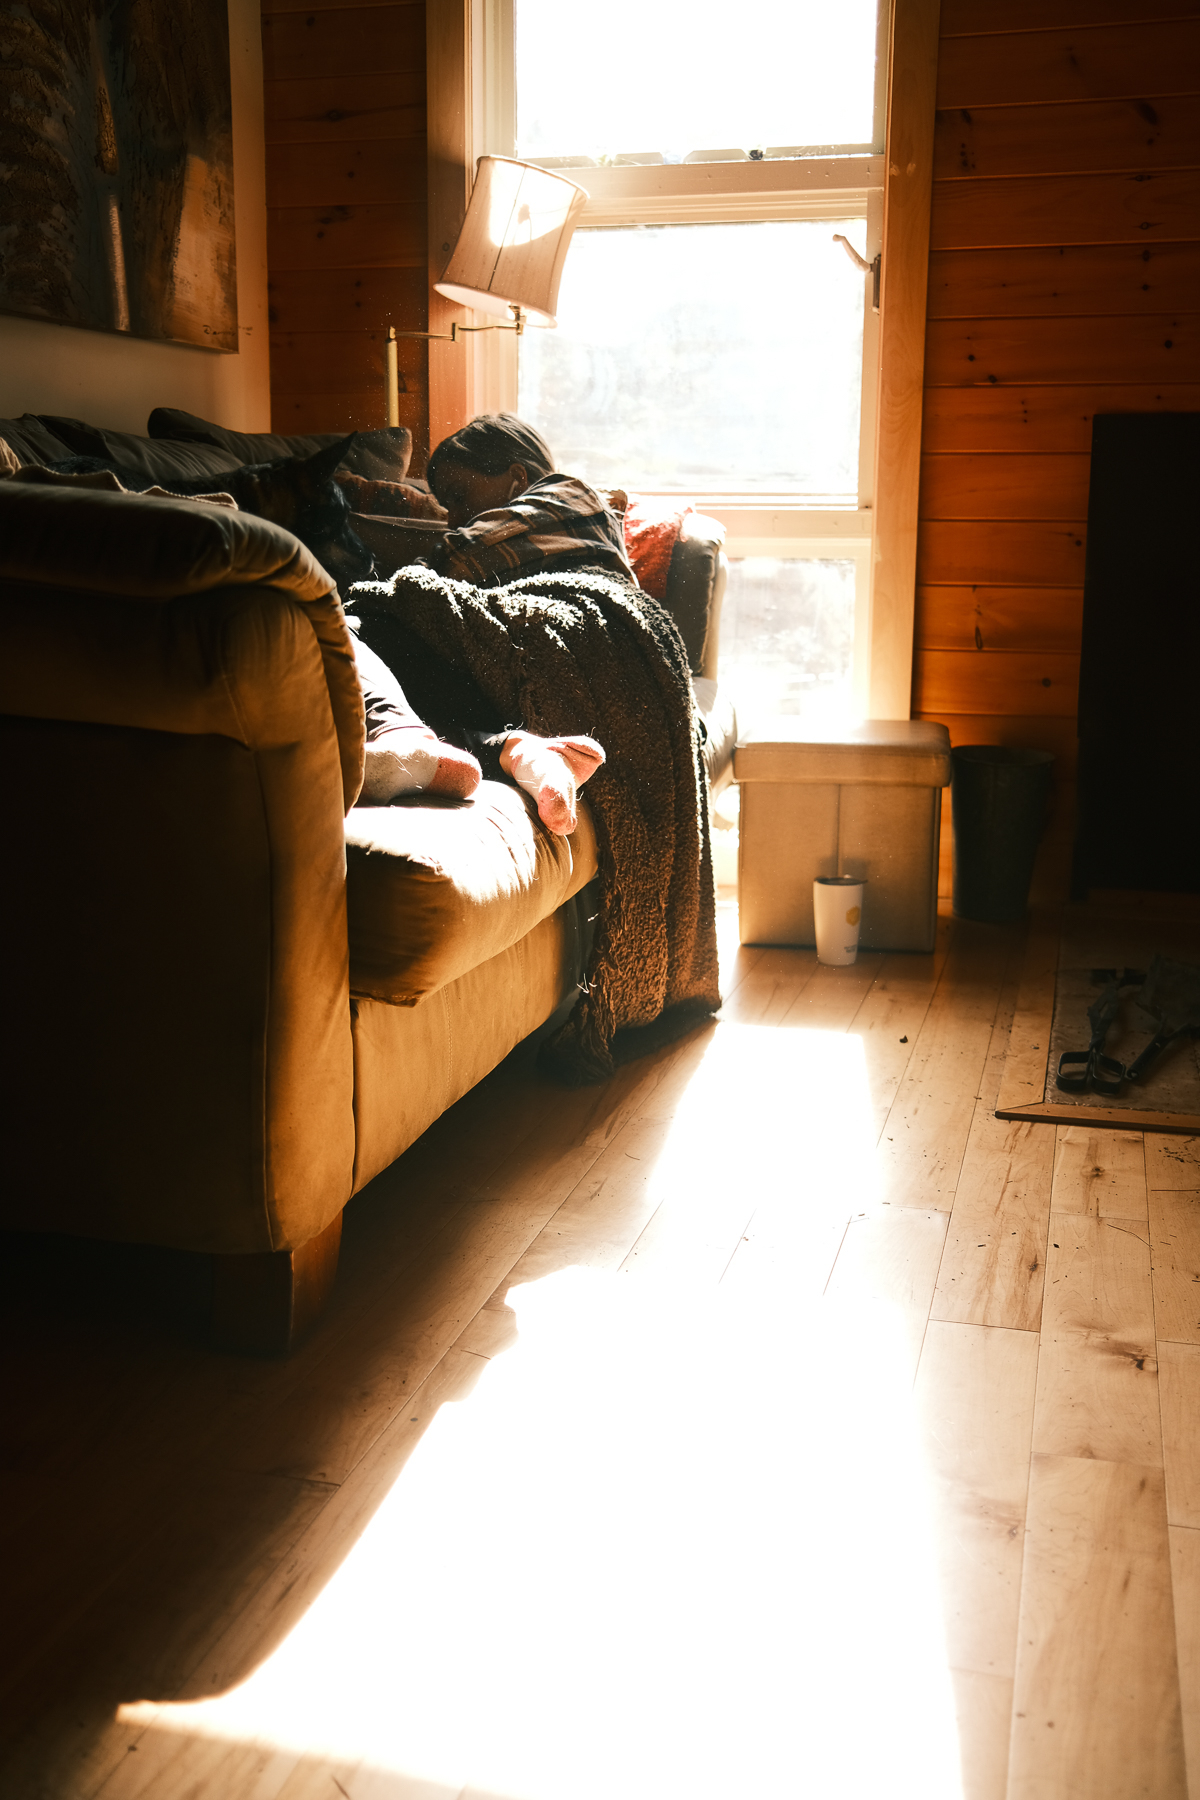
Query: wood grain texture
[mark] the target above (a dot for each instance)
(912, 77)
(1063, 280)
(350, 362)
(347, 237)
(974, 1395)
(971, 17)
(1082, 137)
(1185, 1577)
(983, 1714)
(1023, 1079)
(1088, 62)
(1096, 1708)
(993, 1269)
(339, 41)
(308, 300)
(1175, 1250)
(1098, 1371)
(451, 166)
(1157, 348)
(347, 412)
(1027, 418)
(921, 1150)
(1100, 1173)
(1172, 1162)
(324, 109)
(1179, 1393)
(1004, 681)
(982, 617)
(1004, 487)
(372, 173)
(1138, 208)
(890, 1262)
(1001, 552)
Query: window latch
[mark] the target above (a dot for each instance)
(871, 268)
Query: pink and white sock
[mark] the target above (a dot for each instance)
(552, 770)
(414, 760)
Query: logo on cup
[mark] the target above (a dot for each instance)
(854, 915)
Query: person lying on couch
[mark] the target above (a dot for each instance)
(510, 514)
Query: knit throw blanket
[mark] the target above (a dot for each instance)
(585, 651)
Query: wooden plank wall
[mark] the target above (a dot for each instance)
(346, 200)
(1064, 275)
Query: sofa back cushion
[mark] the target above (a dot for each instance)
(382, 455)
(138, 457)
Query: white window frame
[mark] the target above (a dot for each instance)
(472, 111)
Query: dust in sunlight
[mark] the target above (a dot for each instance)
(676, 1542)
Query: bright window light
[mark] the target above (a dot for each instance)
(705, 357)
(647, 75)
(787, 637)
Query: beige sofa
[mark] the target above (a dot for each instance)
(234, 997)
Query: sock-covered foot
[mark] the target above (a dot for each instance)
(552, 770)
(414, 760)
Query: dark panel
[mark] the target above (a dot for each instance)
(1139, 768)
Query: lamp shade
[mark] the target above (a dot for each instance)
(514, 239)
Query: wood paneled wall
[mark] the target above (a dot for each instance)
(346, 200)
(1064, 275)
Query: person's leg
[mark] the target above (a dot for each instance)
(403, 755)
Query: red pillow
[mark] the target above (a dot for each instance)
(652, 530)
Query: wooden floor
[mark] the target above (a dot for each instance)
(771, 1421)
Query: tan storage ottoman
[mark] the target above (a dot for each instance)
(869, 798)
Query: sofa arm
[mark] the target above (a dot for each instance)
(178, 1008)
(159, 551)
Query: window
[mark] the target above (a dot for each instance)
(715, 192)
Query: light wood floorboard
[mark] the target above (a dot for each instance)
(1096, 1706)
(802, 1197)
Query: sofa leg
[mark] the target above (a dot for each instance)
(264, 1305)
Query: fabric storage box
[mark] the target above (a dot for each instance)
(865, 802)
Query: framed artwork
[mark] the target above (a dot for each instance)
(116, 146)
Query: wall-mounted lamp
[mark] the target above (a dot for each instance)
(508, 259)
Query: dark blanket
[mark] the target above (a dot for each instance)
(584, 651)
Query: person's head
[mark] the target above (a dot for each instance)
(486, 464)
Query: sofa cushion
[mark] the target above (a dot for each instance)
(434, 889)
(32, 440)
(381, 455)
(137, 456)
(720, 725)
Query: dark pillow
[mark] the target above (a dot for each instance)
(139, 456)
(32, 442)
(382, 455)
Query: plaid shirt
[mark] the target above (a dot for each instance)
(557, 522)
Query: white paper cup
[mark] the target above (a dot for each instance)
(837, 908)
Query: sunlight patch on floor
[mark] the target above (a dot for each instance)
(677, 1540)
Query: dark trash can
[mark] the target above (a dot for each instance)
(999, 800)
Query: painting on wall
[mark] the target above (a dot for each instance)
(116, 167)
